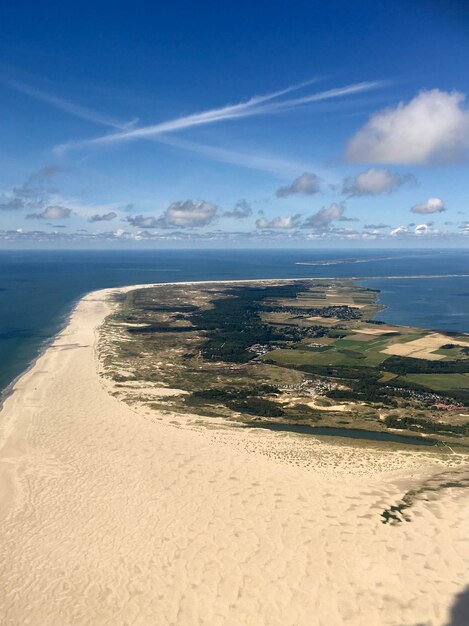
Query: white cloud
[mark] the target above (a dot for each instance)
(422, 229)
(241, 210)
(325, 216)
(416, 230)
(432, 205)
(142, 221)
(104, 217)
(66, 105)
(306, 184)
(257, 105)
(188, 214)
(278, 223)
(432, 128)
(376, 226)
(51, 213)
(374, 182)
(34, 193)
(264, 162)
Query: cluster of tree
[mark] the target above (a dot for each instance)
(223, 395)
(342, 312)
(189, 308)
(426, 425)
(256, 406)
(406, 365)
(233, 324)
(161, 328)
(364, 391)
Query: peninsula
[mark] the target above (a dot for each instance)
(136, 491)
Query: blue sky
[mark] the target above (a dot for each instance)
(255, 123)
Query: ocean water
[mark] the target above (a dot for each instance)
(39, 289)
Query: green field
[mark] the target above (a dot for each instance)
(439, 382)
(346, 352)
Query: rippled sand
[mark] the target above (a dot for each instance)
(110, 516)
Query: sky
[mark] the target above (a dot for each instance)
(234, 124)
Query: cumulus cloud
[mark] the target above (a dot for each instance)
(279, 223)
(105, 217)
(422, 229)
(13, 204)
(51, 213)
(142, 221)
(325, 216)
(374, 182)
(432, 205)
(307, 184)
(188, 214)
(376, 226)
(416, 230)
(432, 128)
(33, 193)
(242, 209)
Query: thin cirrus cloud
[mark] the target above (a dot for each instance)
(257, 105)
(77, 110)
(432, 128)
(250, 160)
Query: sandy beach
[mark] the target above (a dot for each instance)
(114, 516)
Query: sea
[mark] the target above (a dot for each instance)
(38, 289)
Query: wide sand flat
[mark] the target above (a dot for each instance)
(108, 516)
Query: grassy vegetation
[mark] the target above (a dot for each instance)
(440, 382)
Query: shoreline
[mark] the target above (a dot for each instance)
(6, 391)
(9, 389)
(112, 515)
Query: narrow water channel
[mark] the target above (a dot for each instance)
(348, 433)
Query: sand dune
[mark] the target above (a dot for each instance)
(110, 516)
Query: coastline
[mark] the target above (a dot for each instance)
(115, 516)
(8, 389)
